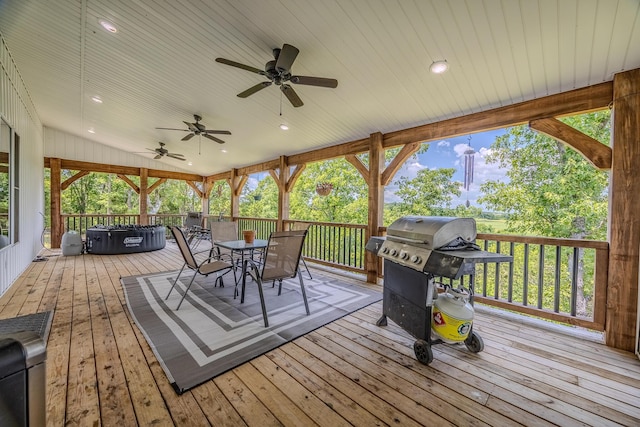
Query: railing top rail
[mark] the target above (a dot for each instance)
(551, 241)
(329, 224)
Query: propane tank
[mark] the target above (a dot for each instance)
(452, 316)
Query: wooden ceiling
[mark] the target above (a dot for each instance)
(159, 68)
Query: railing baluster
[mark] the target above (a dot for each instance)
(496, 290)
(574, 282)
(525, 274)
(540, 276)
(556, 284)
(510, 286)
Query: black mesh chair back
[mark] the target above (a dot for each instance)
(281, 261)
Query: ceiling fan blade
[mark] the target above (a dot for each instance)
(217, 132)
(213, 138)
(286, 57)
(157, 156)
(291, 95)
(183, 130)
(241, 66)
(254, 89)
(176, 156)
(152, 149)
(188, 137)
(314, 81)
(192, 127)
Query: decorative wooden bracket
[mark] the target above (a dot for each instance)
(195, 188)
(391, 169)
(155, 185)
(237, 183)
(128, 181)
(591, 149)
(73, 179)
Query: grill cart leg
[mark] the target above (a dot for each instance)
(382, 321)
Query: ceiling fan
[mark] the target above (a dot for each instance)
(161, 152)
(278, 71)
(198, 128)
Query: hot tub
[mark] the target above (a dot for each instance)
(124, 239)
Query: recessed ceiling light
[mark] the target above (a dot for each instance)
(190, 163)
(284, 126)
(96, 99)
(439, 67)
(92, 130)
(223, 150)
(108, 26)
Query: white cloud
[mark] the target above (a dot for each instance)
(443, 143)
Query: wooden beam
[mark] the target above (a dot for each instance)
(67, 182)
(624, 205)
(340, 150)
(275, 176)
(591, 149)
(376, 201)
(260, 167)
(129, 182)
(360, 167)
(397, 162)
(156, 184)
(55, 209)
(577, 101)
(143, 193)
(223, 176)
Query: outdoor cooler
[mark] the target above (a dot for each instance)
(416, 250)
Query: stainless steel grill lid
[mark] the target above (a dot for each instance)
(433, 232)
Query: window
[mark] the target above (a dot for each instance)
(9, 185)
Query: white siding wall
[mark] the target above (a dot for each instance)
(19, 112)
(59, 144)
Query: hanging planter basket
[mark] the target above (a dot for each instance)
(324, 188)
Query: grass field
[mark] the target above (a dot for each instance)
(491, 225)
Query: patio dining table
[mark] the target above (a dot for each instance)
(245, 249)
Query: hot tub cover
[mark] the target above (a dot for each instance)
(125, 239)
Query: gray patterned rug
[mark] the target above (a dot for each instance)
(212, 332)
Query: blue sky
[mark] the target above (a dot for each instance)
(446, 153)
(449, 153)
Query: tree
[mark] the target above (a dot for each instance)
(551, 189)
(429, 193)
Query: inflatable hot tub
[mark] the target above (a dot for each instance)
(124, 239)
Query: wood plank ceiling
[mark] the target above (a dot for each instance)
(159, 68)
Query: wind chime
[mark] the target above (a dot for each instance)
(468, 169)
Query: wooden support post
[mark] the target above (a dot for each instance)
(144, 188)
(283, 194)
(236, 182)
(55, 209)
(376, 201)
(624, 205)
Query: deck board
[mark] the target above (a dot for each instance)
(101, 370)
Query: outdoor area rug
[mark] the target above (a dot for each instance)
(212, 332)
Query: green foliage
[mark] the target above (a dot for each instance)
(551, 189)
(347, 203)
(261, 202)
(220, 199)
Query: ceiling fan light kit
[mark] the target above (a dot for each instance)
(161, 152)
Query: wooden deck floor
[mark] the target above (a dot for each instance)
(100, 370)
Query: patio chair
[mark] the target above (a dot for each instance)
(208, 266)
(302, 226)
(194, 228)
(281, 261)
(222, 231)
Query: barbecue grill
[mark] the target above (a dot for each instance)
(416, 250)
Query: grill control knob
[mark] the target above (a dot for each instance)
(416, 259)
(404, 255)
(385, 250)
(394, 252)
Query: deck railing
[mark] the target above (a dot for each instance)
(562, 280)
